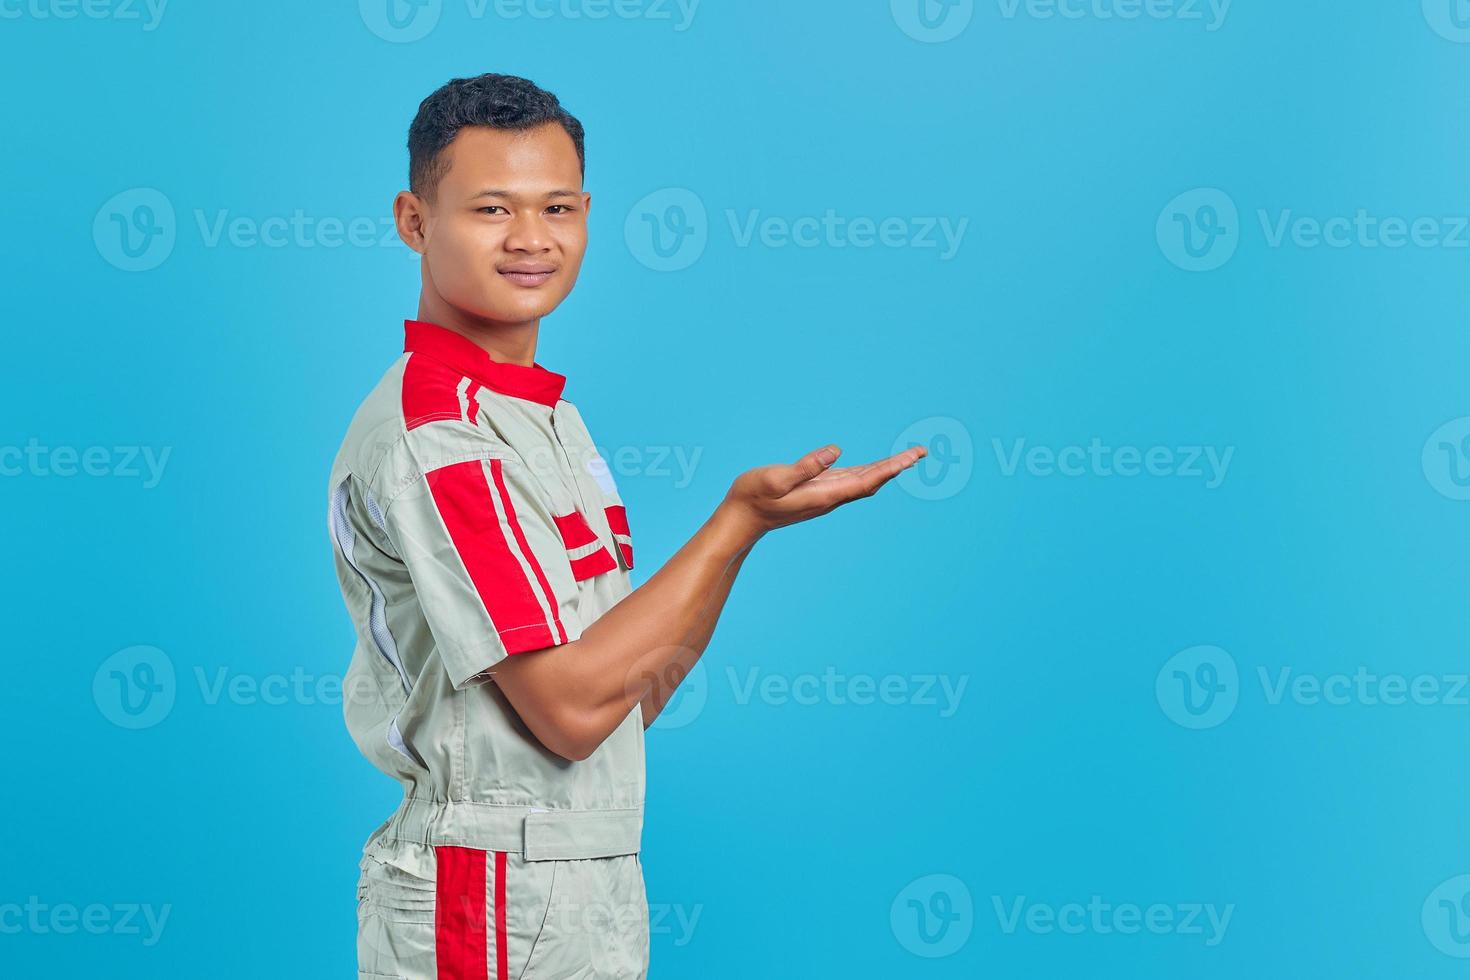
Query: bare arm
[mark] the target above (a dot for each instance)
(574, 696)
(663, 685)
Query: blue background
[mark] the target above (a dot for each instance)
(796, 832)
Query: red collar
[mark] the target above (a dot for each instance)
(533, 383)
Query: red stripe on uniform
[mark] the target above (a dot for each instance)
(502, 950)
(430, 392)
(462, 495)
(515, 526)
(594, 564)
(472, 404)
(617, 518)
(460, 943)
(575, 531)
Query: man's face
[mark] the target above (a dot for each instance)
(504, 237)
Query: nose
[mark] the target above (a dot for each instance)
(528, 233)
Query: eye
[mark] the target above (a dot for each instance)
(490, 207)
(560, 209)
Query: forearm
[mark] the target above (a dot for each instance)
(574, 697)
(665, 683)
(642, 647)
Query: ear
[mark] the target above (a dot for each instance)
(411, 217)
(586, 202)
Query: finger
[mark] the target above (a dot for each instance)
(905, 459)
(836, 487)
(901, 460)
(788, 478)
(884, 470)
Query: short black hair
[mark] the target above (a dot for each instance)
(497, 101)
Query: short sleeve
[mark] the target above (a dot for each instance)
(487, 563)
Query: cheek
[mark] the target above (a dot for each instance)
(573, 247)
(457, 251)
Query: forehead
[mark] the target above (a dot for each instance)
(526, 159)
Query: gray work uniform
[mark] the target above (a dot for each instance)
(473, 519)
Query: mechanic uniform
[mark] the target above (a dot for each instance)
(472, 519)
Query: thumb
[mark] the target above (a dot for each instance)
(790, 477)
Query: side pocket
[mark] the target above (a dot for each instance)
(395, 894)
(539, 940)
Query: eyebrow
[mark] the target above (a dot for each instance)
(497, 192)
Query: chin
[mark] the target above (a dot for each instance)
(520, 310)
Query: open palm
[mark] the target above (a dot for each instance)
(784, 494)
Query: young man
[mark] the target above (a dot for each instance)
(505, 670)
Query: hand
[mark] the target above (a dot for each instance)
(769, 497)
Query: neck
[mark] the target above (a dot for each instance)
(509, 343)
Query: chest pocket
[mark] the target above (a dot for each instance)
(612, 508)
(593, 552)
(586, 552)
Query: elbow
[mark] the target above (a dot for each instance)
(576, 737)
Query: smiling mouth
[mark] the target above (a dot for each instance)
(526, 278)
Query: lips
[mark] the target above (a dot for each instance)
(528, 275)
